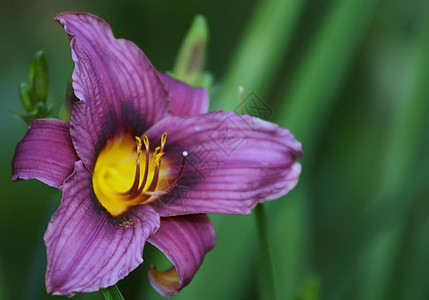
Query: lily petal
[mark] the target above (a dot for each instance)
(45, 153)
(233, 163)
(118, 87)
(87, 249)
(185, 100)
(184, 240)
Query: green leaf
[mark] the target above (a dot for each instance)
(112, 293)
(27, 119)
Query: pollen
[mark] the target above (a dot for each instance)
(127, 175)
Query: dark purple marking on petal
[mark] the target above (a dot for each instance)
(132, 126)
(117, 85)
(233, 163)
(184, 240)
(87, 249)
(45, 152)
(185, 100)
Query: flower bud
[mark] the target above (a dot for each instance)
(190, 61)
(38, 76)
(34, 94)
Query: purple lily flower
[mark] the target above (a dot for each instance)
(142, 160)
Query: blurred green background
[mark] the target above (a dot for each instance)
(350, 79)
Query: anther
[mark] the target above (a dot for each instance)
(163, 139)
(158, 157)
(139, 149)
(146, 142)
(157, 150)
(139, 143)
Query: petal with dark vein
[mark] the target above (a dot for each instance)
(45, 153)
(87, 249)
(233, 163)
(117, 85)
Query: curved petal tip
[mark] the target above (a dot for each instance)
(167, 283)
(184, 240)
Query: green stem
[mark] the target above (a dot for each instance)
(112, 293)
(266, 276)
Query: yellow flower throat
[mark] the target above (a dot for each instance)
(120, 181)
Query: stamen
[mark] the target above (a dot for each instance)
(146, 168)
(137, 189)
(154, 182)
(174, 184)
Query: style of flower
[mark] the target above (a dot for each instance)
(142, 160)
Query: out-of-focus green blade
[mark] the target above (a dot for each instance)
(311, 94)
(112, 293)
(263, 44)
(414, 277)
(3, 291)
(289, 243)
(409, 118)
(376, 233)
(378, 263)
(399, 166)
(306, 105)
